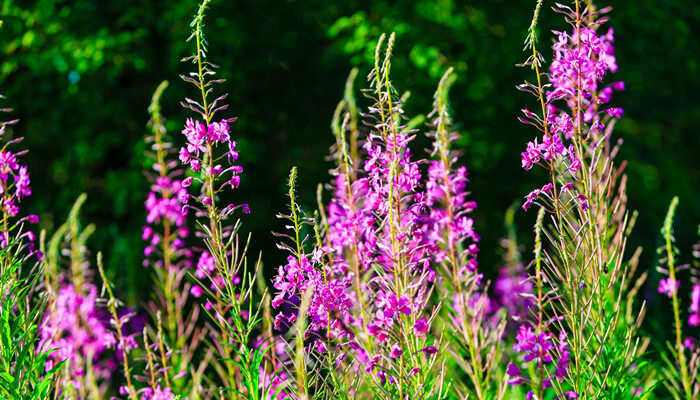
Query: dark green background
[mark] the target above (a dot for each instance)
(80, 75)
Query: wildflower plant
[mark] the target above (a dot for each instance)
(392, 246)
(22, 367)
(178, 334)
(583, 278)
(74, 322)
(316, 305)
(682, 357)
(374, 229)
(14, 187)
(223, 274)
(26, 369)
(450, 236)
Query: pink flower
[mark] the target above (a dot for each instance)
(668, 286)
(219, 131)
(421, 326)
(395, 351)
(157, 394)
(76, 328)
(196, 291)
(515, 372)
(694, 318)
(538, 348)
(22, 188)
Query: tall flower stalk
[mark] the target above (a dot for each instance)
(166, 252)
(386, 241)
(583, 262)
(26, 367)
(449, 235)
(316, 308)
(79, 323)
(382, 240)
(210, 156)
(15, 238)
(682, 369)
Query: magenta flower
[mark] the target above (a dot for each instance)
(668, 286)
(582, 59)
(328, 296)
(22, 188)
(515, 373)
(14, 187)
(79, 331)
(510, 291)
(196, 291)
(166, 230)
(196, 134)
(421, 326)
(158, 394)
(395, 351)
(694, 318)
(540, 349)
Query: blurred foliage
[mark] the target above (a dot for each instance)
(80, 74)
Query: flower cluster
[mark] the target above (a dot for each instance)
(393, 178)
(540, 349)
(582, 59)
(669, 286)
(157, 394)
(166, 217)
(511, 289)
(549, 150)
(388, 227)
(328, 297)
(445, 224)
(14, 182)
(199, 155)
(351, 220)
(164, 209)
(162, 201)
(14, 187)
(200, 142)
(369, 216)
(79, 331)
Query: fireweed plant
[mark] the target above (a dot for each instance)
(582, 340)
(26, 369)
(75, 322)
(224, 280)
(391, 247)
(177, 335)
(378, 278)
(682, 357)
